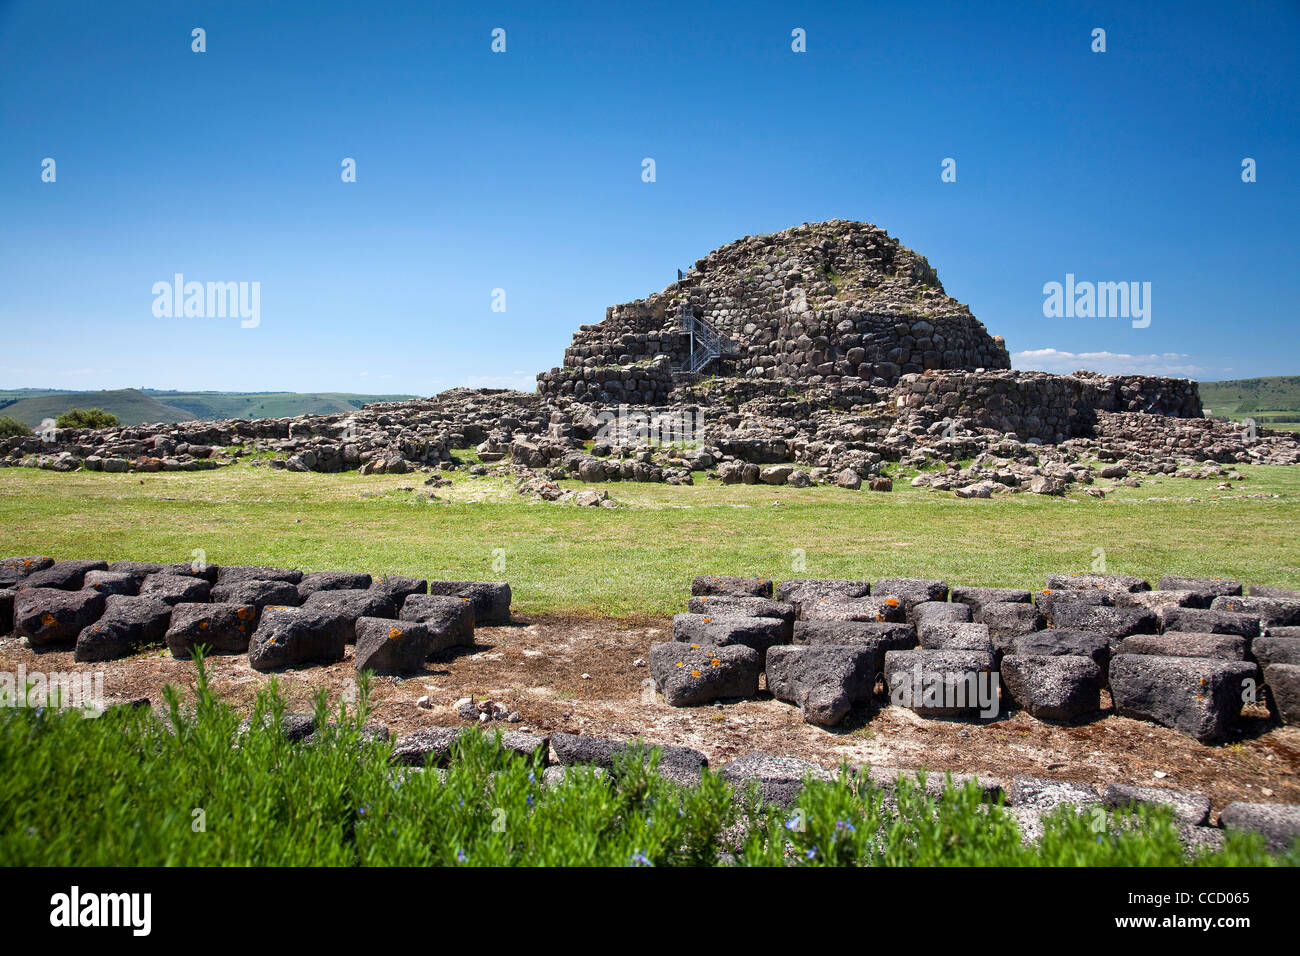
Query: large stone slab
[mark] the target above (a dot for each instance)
(491, 599)
(1155, 600)
(230, 573)
(400, 587)
(824, 682)
(1283, 682)
(64, 575)
(911, 591)
(450, 619)
(295, 637)
(1104, 582)
(689, 675)
(681, 764)
(942, 683)
(1053, 687)
(259, 593)
(800, 591)
(220, 627)
(977, 597)
(386, 646)
(111, 582)
(1191, 809)
(1272, 612)
(16, 568)
(880, 609)
(758, 633)
(1006, 620)
(940, 612)
(127, 625)
(49, 617)
(331, 581)
(1116, 623)
(777, 780)
(1197, 696)
(1279, 823)
(1276, 649)
(716, 584)
(1070, 643)
(1048, 600)
(730, 606)
(1215, 587)
(177, 588)
(956, 637)
(1197, 620)
(1283, 594)
(1228, 647)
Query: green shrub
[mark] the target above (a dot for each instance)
(13, 428)
(137, 789)
(87, 418)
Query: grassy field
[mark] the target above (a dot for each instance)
(1271, 402)
(639, 558)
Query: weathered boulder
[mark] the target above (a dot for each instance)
(1279, 823)
(429, 747)
(1114, 583)
(1216, 587)
(1197, 696)
(1007, 620)
(222, 628)
(127, 625)
(400, 587)
(942, 683)
(331, 581)
(888, 610)
(956, 637)
(911, 591)
(688, 675)
(450, 619)
(111, 582)
(824, 681)
(1276, 649)
(1198, 620)
(386, 646)
(799, 591)
(1190, 809)
(712, 584)
(1068, 643)
(64, 575)
(259, 593)
(976, 598)
(728, 606)
(1049, 600)
(230, 573)
(1055, 687)
(681, 764)
(1272, 612)
(177, 588)
(773, 779)
(491, 599)
(1283, 682)
(353, 604)
(758, 633)
(52, 616)
(292, 637)
(941, 612)
(1228, 647)
(1115, 623)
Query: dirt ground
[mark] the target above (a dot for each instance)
(578, 675)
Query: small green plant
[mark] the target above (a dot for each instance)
(87, 418)
(13, 428)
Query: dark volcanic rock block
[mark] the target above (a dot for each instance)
(1228, 647)
(942, 683)
(1053, 687)
(386, 646)
(799, 591)
(728, 606)
(1197, 620)
(292, 637)
(491, 599)
(1049, 600)
(222, 628)
(823, 681)
(941, 612)
(1276, 649)
(450, 618)
(1104, 582)
(689, 675)
(978, 597)
(1213, 586)
(331, 581)
(15, 569)
(1272, 612)
(758, 633)
(885, 610)
(682, 764)
(177, 588)
(65, 575)
(1278, 822)
(911, 591)
(956, 637)
(51, 616)
(1088, 644)
(1283, 682)
(1192, 809)
(111, 582)
(1284, 594)
(231, 573)
(430, 747)
(1114, 622)
(1006, 620)
(710, 584)
(399, 587)
(127, 625)
(778, 780)
(364, 602)
(269, 593)
(1197, 696)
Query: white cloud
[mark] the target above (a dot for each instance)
(1109, 363)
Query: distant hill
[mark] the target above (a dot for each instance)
(1271, 402)
(135, 406)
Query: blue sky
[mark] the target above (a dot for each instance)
(522, 171)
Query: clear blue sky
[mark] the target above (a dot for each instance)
(522, 171)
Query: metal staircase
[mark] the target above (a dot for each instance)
(707, 343)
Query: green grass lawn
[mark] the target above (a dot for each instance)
(639, 558)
